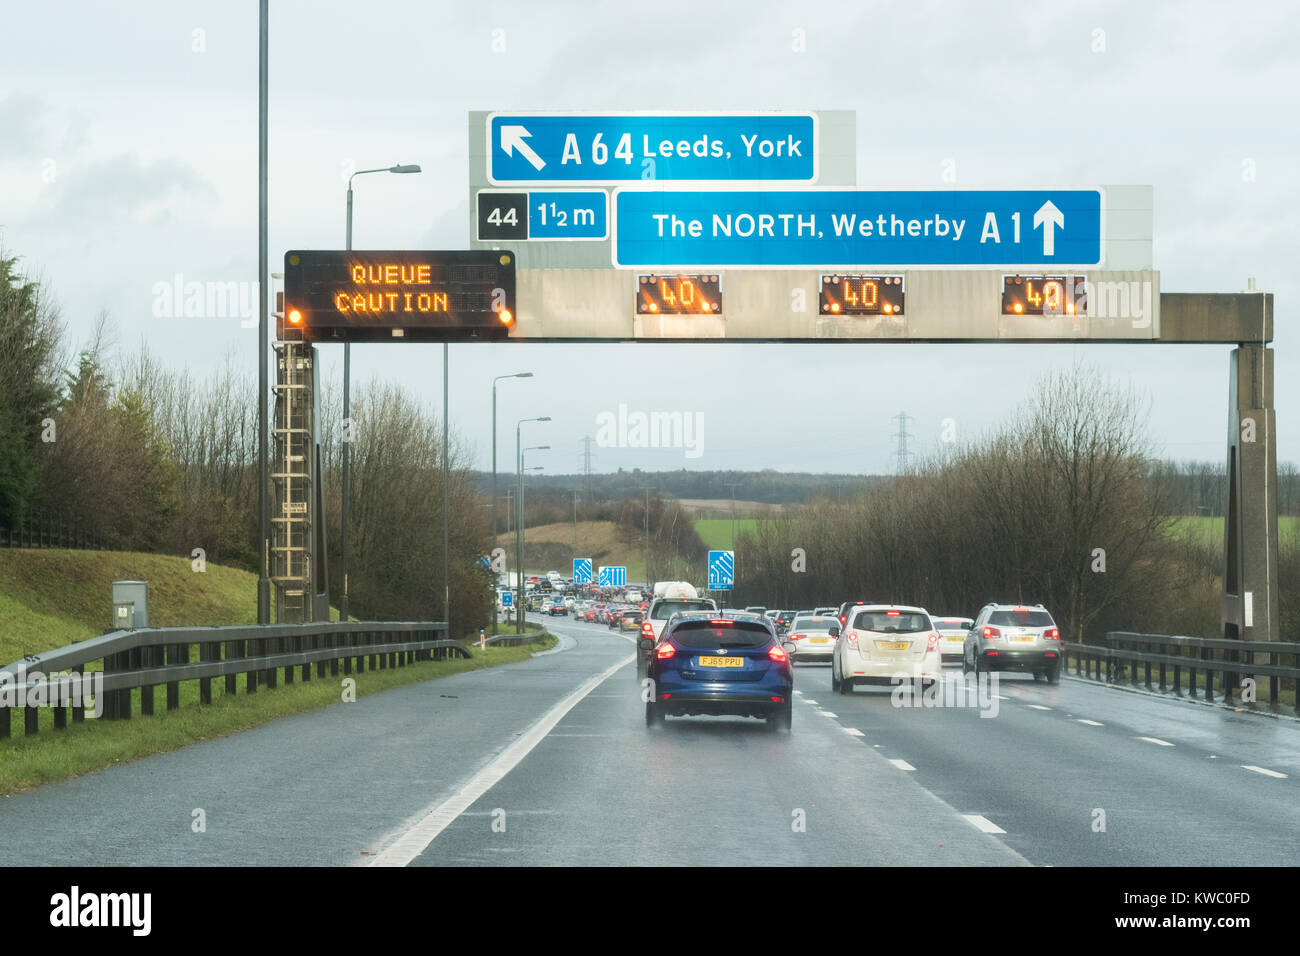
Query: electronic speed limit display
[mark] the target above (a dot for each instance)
(679, 295)
(861, 295)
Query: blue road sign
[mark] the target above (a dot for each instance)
(613, 577)
(553, 214)
(980, 228)
(507, 598)
(722, 570)
(582, 570)
(623, 147)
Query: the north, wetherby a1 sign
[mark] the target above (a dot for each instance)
(908, 228)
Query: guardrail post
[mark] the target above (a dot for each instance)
(31, 721)
(1163, 653)
(149, 657)
(292, 644)
(1207, 654)
(250, 676)
(176, 654)
(78, 707)
(271, 646)
(5, 715)
(1178, 685)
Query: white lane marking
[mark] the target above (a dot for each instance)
(1264, 770)
(438, 817)
(983, 823)
(1157, 741)
(852, 731)
(1000, 697)
(799, 692)
(827, 713)
(1037, 707)
(1091, 723)
(902, 764)
(809, 699)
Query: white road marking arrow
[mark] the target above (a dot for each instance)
(1048, 216)
(512, 138)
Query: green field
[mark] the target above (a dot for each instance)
(1211, 529)
(716, 532)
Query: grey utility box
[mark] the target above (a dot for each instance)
(130, 604)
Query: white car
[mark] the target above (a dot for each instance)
(880, 641)
(813, 637)
(952, 635)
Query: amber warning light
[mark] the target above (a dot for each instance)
(351, 296)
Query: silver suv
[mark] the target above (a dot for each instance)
(1006, 637)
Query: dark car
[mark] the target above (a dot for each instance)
(720, 662)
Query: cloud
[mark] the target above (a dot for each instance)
(127, 188)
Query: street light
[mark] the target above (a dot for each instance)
(347, 390)
(494, 469)
(519, 524)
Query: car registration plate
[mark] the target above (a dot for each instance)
(893, 645)
(722, 662)
(818, 640)
(955, 637)
(1023, 638)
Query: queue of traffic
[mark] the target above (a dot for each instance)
(696, 658)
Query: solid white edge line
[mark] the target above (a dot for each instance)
(1038, 707)
(901, 764)
(439, 816)
(1091, 723)
(1264, 770)
(983, 823)
(852, 731)
(1157, 741)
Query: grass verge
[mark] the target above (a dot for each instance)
(27, 762)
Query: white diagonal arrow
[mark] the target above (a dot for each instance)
(512, 138)
(1049, 216)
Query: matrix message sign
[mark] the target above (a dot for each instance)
(368, 296)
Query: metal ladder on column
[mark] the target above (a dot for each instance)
(291, 534)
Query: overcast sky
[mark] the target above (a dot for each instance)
(128, 155)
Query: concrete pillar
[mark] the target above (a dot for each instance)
(1250, 579)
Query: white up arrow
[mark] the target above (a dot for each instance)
(512, 138)
(1048, 216)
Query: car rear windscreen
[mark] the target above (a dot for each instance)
(815, 623)
(1021, 619)
(711, 634)
(666, 609)
(904, 622)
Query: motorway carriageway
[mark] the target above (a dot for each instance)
(549, 761)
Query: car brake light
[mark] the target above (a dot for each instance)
(647, 628)
(722, 623)
(992, 632)
(665, 651)
(1052, 634)
(777, 653)
(892, 613)
(932, 642)
(798, 637)
(843, 620)
(851, 636)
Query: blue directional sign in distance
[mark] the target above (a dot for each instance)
(582, 570)
(662, 228)
(507, 598)
(722, 570)
(613, 577)
(621, 147)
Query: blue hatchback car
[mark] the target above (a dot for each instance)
(719, 662)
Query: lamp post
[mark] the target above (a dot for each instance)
(519, 524)
(347, 392)
(494, 470)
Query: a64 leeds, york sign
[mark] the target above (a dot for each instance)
(369, 296)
